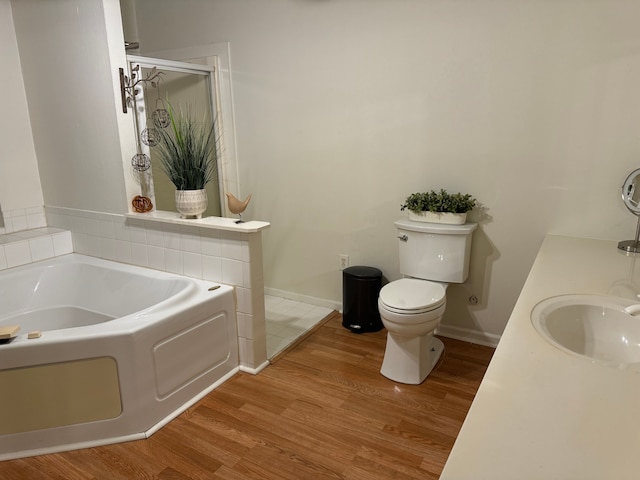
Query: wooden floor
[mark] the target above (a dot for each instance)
(321, 411)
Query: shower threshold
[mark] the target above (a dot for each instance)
(288, 320)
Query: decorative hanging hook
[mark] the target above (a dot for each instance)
(128, 86)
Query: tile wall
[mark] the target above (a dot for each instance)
(25, 238)
(22, 219)
(232, 258)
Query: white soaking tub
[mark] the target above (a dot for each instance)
(122, 351)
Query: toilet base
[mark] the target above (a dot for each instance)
(410, 359)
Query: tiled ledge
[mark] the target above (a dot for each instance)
(27, 246)
(217, 223)
(213, 248)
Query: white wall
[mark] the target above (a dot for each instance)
(345, 107)
(17, 152)
(65, 52)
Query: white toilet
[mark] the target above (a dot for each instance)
(432, 255)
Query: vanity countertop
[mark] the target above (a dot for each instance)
(541, 413)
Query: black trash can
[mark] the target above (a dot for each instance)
(360, 289)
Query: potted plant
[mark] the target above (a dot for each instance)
(439, 207)
(188, 155)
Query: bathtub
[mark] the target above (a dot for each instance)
(118, 352)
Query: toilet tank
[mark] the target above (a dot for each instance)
(434, 251)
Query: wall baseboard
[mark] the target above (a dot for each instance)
(458, 333)
(319, 302)
(253, 371)
(468, 335)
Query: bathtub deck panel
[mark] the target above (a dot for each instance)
(60, 394)
(174, 341)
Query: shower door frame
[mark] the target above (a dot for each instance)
(215, 64)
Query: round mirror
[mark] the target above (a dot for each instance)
(631, 198)
(631, 192)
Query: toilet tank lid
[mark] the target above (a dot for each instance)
(412, 294)
(440, 228)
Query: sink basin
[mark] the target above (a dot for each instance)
(594, 327)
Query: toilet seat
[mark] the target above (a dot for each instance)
(410, 296)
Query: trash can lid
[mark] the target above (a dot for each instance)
(362, 272)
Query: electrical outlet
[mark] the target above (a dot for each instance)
(344, 261)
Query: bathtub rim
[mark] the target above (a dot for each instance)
(195, 290)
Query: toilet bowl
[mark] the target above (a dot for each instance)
(410, 310)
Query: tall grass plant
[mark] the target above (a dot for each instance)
(188, 152)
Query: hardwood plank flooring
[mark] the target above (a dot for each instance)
(322, 410)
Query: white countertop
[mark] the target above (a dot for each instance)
(541, 413)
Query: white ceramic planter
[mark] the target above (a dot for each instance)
(438, 217)
(191, 203)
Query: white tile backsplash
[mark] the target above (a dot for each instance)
(212, 268)
(78, 225)
(232, 272)
(231, 247)
(154, 237)
(232, 258)
(106, 248)
(173, 261)
(41, 248)
(105, 229)
(138, 235)
(156, 257)
(192, 264)
(18, 223)
(191, 243)
(17, 253)
(246, 275)
(211, 245)
(123, 251)
(171, 239)
(62, 243)
(139, 254)
(31, 245)
(35, 217)
(121, 231)
(244, 300)
(16, 220)
(92, 227)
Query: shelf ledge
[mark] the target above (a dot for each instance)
(214, 223)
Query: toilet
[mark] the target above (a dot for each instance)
(432, 255)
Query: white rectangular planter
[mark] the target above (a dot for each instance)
(438, 217)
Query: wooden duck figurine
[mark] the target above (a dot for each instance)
(237, 206)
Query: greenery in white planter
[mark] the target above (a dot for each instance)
(188, 151)
(441, 201)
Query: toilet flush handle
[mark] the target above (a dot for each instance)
(633, 310)
(404, 238)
